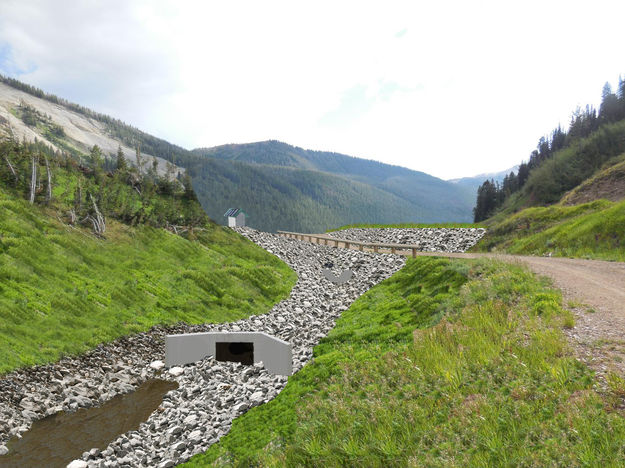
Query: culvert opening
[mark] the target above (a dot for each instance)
(242, 352)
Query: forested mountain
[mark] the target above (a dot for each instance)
(278, 185)
(323, 189)
(562, 160)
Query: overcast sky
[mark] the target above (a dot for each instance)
(451, 88)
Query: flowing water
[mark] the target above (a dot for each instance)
(58, 439)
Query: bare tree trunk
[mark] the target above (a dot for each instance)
(33, 180)
(78, 198)
(49, 191)
(11, 167)
(139, 159)
(99, 224)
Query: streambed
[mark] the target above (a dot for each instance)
(211, 393)
(60, 438)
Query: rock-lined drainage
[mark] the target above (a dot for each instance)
(427, 239)
(211, 393)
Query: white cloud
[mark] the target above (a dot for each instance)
(449, 88)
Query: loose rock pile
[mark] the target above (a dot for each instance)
(427, 239)
(211, 393)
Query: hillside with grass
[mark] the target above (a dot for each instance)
(88, 255)
(568, 200)
(447, 363)
(562, 160)
(589, 230)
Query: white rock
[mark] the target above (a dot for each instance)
(176, 371)
(257, 397)
(78, 464)
(157, 365)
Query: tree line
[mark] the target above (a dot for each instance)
(98, 186)
(491, 195)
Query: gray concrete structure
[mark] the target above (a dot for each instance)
(275, 354)
(344, 277)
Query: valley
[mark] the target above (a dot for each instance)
(489, 348)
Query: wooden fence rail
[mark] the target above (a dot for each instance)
(347, 244)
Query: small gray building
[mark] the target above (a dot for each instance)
(236, 217)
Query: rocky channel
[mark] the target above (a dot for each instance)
(427, 239)
(210, 394)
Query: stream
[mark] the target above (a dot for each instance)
(58, 439)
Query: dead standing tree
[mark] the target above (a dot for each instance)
(33, 179)
(97, 220)
(6, 158)
(49, 189)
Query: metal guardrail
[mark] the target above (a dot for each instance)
(347, 244)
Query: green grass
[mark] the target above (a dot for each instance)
(491, 384)
(411, 225)
(590, 230)
(63, 291)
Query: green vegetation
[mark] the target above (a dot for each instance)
(73, 275)
(411, 225)
(285, 187)
(562, 160)
(608, 183)
(74, 190)
(590, 230)
(63, 290)
(491, 384)
(574, 164)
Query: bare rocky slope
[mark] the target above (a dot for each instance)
(80, 132)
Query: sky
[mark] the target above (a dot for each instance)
(450, 88)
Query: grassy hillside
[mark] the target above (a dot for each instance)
(571, 166)
(65, 288)
(608, 184)
(590, 230)
(492, 383)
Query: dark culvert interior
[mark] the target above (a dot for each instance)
(235, 352)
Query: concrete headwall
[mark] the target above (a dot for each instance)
(275, 354)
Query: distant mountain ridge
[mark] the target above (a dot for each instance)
(327, 183)
(278, 185)
(475, 181)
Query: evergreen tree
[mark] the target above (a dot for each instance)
(610, 109)
(96, 157)
(122, 165)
